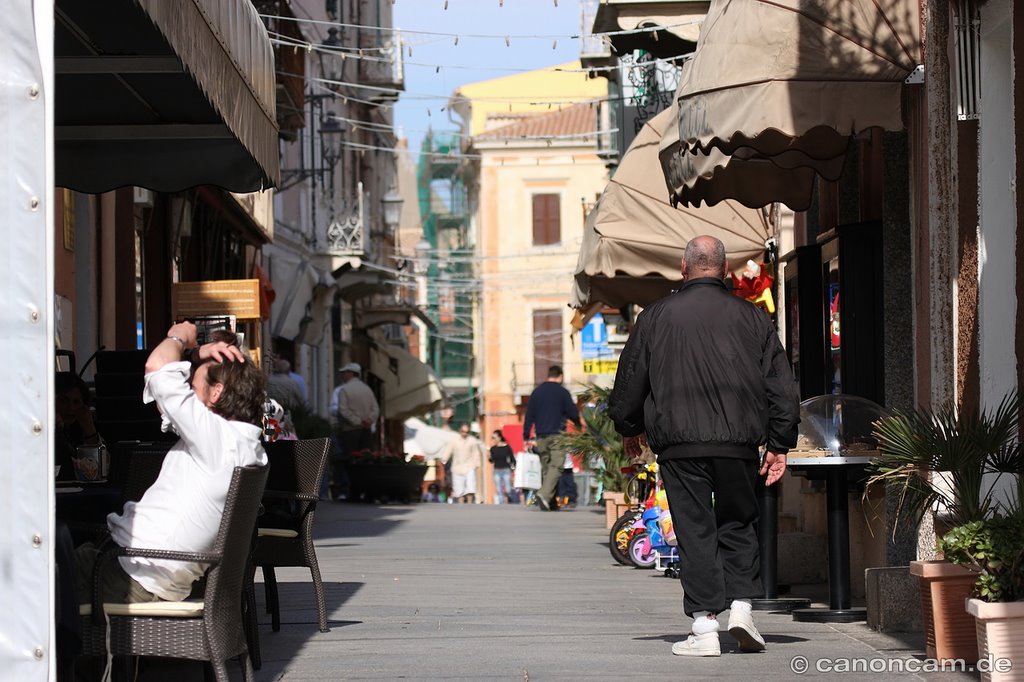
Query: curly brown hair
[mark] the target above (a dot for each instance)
(245, 390)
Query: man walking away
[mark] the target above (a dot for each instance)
(355, 411)
(704, 380)
(550, 407)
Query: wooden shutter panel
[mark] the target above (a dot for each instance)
(539, 219)
(547, 342)
(547, 219)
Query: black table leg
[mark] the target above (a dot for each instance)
(768, 543)
(838, 539)
(839, 610)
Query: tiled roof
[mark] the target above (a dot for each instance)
(573, 120)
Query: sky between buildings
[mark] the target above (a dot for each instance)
(474, 59)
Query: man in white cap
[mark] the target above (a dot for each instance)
(355, 411)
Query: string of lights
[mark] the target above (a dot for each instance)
(395, 150)
(370, 126)
(357, 54)
(530, 100)
(484, 36)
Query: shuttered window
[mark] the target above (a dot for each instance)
(547, 342)
(547, 219)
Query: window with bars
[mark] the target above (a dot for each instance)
(547, 342)
(547, 219)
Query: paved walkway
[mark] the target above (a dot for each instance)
(433, 591)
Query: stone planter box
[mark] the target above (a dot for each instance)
(614, 507)
(385, 482)
(949, 631)
(1000, 629)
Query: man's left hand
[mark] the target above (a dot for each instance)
(634, 445)
(221, 352)
(774, 466)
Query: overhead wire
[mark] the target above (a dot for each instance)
(530, 100)
(357, 54)
(487, 36)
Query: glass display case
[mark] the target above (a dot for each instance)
(837, 426)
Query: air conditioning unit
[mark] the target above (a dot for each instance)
(142, 197)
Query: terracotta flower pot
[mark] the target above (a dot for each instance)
(614, 507)
(949, 631)
(1000, 630)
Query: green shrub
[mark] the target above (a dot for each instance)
(599, 446)
(995, 548)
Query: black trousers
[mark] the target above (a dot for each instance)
(718, 549)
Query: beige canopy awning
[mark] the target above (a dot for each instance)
(634, 238)
(164, 95)
(768, 71)
(296, 282)
(776, 88)
(409, 386)
(357, 283)
(681, 20)
(711, 176)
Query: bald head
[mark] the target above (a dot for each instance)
(704, 257)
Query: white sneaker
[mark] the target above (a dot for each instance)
(698, 645)
(741, 626)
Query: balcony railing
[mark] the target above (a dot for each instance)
(386, 69)
(347, 231)
(592, 48)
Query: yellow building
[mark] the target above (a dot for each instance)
(535, 136)
(533, 92)
(536, 177)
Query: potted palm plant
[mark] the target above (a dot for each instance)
(600, 449)
(949, 461)
(994, 549)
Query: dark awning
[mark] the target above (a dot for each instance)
(164, 95)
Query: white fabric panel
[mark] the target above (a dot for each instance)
(26, 317)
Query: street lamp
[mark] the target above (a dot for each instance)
(331, 58)
(330, 141)
(422, 251)
(392, 204)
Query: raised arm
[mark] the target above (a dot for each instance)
(181, 337)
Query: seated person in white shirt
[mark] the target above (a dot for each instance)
(215, 405)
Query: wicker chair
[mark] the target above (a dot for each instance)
(141, 465)
(285, 533)
(209, 629)
(142, 469)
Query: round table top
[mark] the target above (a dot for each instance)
(829, 461)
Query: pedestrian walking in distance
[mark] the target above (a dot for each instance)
(549, 408)
(704, 380)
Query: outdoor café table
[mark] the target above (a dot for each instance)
(835, 470)
(86, 502)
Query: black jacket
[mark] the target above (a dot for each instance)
(704, 374)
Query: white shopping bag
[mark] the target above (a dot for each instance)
(527, 471)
